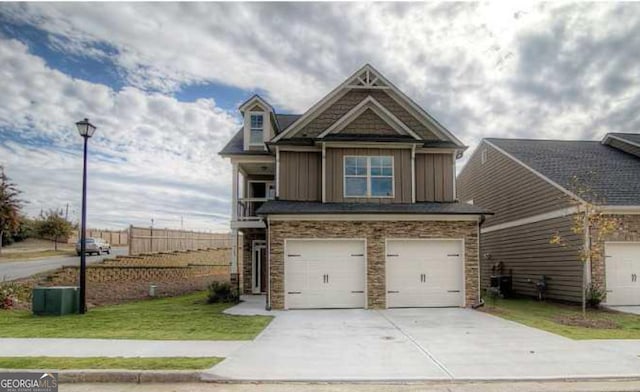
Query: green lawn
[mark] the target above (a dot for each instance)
(546, 316)
(63, 363)
(186, 317)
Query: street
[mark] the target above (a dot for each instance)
(22, 269)
(506, 386)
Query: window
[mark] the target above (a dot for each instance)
(368, 176)
(483, 157)
(257, 129)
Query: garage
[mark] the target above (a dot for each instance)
(324, 273)
(622, 271)
(424, 273)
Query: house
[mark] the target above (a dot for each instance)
(537, 190)
(352, 204)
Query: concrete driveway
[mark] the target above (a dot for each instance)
(415, 344)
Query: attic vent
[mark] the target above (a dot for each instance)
(367, 79)
(484, 156)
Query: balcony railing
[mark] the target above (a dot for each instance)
(247, 208)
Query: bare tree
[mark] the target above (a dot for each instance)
(591, 224)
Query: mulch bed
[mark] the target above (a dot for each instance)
(579, 321)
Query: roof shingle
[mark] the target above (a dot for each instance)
(595, 172)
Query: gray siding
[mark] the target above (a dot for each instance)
(506, 188)
(300, 176)
(434, 177)
(527, 251)
(335, 176)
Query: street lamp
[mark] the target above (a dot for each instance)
(86, 130)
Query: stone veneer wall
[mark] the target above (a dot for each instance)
(249, 235)
(375, 233)
(628, 230)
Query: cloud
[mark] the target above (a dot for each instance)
(151, 157)
(497, 69)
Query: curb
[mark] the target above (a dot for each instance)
(121, 376)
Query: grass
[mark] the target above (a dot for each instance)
(186, 317)
(545, 316)
(63, 363)
(15, 256)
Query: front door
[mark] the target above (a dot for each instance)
(258, 267)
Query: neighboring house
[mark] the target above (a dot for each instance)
(353, 203)
(535, 188)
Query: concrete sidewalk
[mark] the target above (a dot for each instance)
(28, 347)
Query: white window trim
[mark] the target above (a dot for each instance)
(368, 177)
(261, 143)
(484, 154)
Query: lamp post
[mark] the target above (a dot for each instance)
(86, 130)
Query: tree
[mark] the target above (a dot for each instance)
(52, 225)
(10, 205)
(591, 224)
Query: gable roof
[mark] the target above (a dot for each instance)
(368, 78)
(235, 146)
(610, 176)
(369, 103)
(628, 137)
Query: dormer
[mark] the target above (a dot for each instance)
(258, 127)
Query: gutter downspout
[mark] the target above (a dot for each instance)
(481, 301)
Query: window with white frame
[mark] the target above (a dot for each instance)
(256, 130)
(483, 157)
(368, 176)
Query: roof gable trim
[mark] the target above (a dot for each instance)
(378, 109)
(372, 80)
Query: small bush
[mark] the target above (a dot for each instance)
(222, 292)
(12, 293)
(594, 296)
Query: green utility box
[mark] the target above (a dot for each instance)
(55, 301)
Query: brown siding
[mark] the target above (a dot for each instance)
(506, 188)
(434, 177)
(300, 176)
(527, 251)
(335, 174)
(351, 99)
(369, 123)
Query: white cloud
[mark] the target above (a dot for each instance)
(520, 69)
(151, 157)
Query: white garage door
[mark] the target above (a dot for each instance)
(424, 273)
(324, 274)
(622, 269)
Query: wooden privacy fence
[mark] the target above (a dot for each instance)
(115, 238)
(150, 240)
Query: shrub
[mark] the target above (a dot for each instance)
(222, 292)
(594, 296)
(12, 293)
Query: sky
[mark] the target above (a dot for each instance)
(163, 81)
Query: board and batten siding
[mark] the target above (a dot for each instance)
(434, 177)
(506, 188)
(335, 174)
(300, 175)
(528, 253)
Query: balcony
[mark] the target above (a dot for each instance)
(246, 213)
